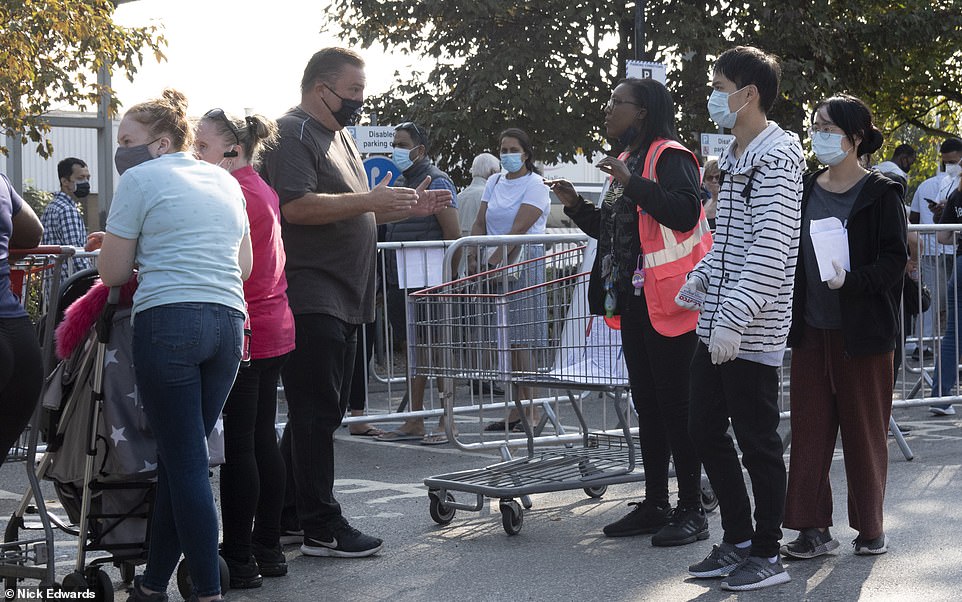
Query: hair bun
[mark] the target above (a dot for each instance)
(872, 143)
(177, 100)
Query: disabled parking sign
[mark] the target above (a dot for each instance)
(378, 167)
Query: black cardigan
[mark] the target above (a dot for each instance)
(869, 298)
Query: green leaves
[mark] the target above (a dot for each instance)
(549, 66)
(50, 52)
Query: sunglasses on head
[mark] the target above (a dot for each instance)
(222, 116)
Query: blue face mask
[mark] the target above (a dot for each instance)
(828, 148)
(511, 162)
(718, 108)
(401, 158)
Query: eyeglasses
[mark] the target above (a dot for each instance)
(221, 115)
(824, 128)
(715, 178)
(614, 102)
(410, 126)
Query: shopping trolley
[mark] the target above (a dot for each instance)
(528, 324)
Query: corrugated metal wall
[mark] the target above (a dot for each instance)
(41, 173)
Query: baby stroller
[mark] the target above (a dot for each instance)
(100, 456)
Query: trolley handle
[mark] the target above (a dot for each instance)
(106, 319)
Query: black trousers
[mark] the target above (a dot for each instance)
(21, 377)
(253, 476)
(744, 394)
(658, 375)
(317, 384)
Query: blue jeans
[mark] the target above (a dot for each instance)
(185, 357)
(946, 371)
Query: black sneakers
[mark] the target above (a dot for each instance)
(137, 593)
(646, 518)
(870, 547)
(272, 561)
(341, 540)
(244, 575)
(684, 526)
(810, 543)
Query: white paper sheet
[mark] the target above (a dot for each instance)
(830, 240)
(418, 268)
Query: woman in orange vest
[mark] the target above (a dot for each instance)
(651, 231)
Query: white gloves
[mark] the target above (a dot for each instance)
(838, 280)
(691, 295)
(723, 344)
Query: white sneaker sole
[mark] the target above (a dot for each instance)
(949, 411)
(776, 579)
(331, 552)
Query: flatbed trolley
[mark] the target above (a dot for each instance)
(527, 324)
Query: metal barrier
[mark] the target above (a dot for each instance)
(913, 388)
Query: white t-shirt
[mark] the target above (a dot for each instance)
(188, 218)
(504, 197)
(937, 189)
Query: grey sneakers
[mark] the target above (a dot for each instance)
(755, 573)
(810, 543)
(722, 560)
(879, 545)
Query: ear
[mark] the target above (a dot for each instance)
(165, 145)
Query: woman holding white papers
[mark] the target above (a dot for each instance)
(843, 333)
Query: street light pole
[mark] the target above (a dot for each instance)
(640, 30)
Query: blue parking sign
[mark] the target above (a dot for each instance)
(378, 167)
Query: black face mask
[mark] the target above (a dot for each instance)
(349, 112)
(81, 190)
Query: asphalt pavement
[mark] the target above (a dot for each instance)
(560, 553)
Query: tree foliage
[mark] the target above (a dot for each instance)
(50, 53)
(549, 66)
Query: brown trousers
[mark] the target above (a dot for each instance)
(831, 391)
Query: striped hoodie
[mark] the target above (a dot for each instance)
(750, 271)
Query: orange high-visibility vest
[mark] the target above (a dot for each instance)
(669, 255)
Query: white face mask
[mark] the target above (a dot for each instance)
(953, 170)
(719, 111)
(828, 148)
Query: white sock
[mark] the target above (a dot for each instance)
(743, 545)
(773, 559)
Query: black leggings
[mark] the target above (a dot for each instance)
(21, 377)
(253, 477)
(658, 375)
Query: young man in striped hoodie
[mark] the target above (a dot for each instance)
(744, 290)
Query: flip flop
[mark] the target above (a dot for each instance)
(372, 431)
(499, 426)
(392, 436)
(434, 439)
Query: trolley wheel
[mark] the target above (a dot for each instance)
(186, 586)
(596, 492)
(512, 516)
(99, 581)
(441, 513)
(709, 501)
(128, 569)
(12, 533)
(75, 582)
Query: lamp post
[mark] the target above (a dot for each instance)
(639, 30)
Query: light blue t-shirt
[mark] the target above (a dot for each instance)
(188, 217)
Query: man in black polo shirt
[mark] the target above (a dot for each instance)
(329, 217)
